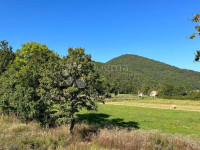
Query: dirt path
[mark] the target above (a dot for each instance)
(158, 106)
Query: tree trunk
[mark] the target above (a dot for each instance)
(72, 126)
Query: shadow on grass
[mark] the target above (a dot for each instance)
(102, 120)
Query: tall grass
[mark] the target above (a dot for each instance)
(15, 135)
(148, 140)
(19, 136)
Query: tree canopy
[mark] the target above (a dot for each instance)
(42, 86)
(6, 55)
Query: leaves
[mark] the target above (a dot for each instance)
(40, 85)
(197, 28)
(73, 84)
(6, 56)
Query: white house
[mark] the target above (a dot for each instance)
(153, 94)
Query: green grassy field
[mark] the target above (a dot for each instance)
(165, 120)
(108, 128)
(133, 100)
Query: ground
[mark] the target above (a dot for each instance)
(123, 122)
(131, 100)
(148, 114)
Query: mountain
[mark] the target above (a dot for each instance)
(137, 70)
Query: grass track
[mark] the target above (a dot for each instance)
(157, 105)
(132, 100)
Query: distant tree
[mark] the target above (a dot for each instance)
(145, 89)
(196, 19)
(116, 87)
(170, 90)
(166, 90)
(179, 91)
(69, 85)
(6, 55)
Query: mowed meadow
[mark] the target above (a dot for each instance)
(132, 100)
(148, 114)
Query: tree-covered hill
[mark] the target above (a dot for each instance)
(134, 71)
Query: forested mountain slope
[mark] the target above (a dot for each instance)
(137, 70)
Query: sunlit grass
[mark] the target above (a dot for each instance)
(164, 120)
(133, 100)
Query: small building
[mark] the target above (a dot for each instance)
(153, 94)
(140, 94)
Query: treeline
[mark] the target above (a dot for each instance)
(132, 74)
(148, 71)
(178, 92)
(167, 91)
(37, 84)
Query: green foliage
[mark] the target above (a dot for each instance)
(197, 33)
(69, 85)
(115, 87)
(145, 89)
(171, 91)
(6, 56)
(133, 73)
(20, 82)
(192, 95)
(197, 27)
(41, 86)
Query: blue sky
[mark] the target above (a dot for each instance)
(157, 29)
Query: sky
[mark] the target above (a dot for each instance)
(156, 29)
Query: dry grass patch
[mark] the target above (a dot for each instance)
(148, 140)
(19, 136)
(189, 105)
